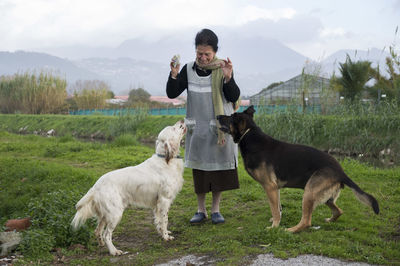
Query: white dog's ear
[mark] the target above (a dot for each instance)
(170, 150)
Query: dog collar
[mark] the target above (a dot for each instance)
(163, 156)
(247, 131)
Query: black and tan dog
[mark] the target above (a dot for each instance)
(276, 164)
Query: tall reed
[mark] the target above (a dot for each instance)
(32, 93)
(350, 128)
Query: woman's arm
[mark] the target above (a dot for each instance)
(231, 90)
(175, 86)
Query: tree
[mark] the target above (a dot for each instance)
(91, 94)
(354, 77)
(382, 85)
(387, 84)
(139, 97)
(393, 69)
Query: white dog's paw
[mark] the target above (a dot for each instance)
(116, 252)
(168, 237)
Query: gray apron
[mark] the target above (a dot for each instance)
(201, 149)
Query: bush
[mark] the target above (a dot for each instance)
(53, 214)
(37, 243)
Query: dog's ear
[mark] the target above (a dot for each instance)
(250, 110)
(170, 150)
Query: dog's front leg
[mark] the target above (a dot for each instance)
(272, 192)
(163, 205)
(280, 206)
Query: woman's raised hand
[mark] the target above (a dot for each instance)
(175, 65)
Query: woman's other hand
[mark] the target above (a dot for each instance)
(227, 69)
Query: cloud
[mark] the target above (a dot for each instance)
(396, 6)
(32, 24)
(35, 23)
(294, 30)
(332, 33)
(252, 13)
(42, 22)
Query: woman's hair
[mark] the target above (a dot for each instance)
(207, 37)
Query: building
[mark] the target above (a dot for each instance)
(119, 100)
(179, 101)
(302, 87)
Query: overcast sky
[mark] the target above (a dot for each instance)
(315, 28)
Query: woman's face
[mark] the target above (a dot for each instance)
(205, 54)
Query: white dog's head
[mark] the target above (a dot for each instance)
(169, 140)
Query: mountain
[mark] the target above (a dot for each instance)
(125, 73)
(20, 62)
(135, 63)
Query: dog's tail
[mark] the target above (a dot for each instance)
(84, 209)
(362, 196)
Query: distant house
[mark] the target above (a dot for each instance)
(179, 101)
(122, 97)
(182, 100)
(244, 102)
(120, 100)
(302, 87)
(164, 99)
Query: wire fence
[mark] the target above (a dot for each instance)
(266, 109)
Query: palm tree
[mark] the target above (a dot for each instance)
(354, 77)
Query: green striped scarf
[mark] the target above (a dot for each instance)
(217, 82)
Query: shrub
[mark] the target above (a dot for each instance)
(53, 214)
(37, 243)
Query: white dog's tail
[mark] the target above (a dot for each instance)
(84, 209)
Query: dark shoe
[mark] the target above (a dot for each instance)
(198, 217)
(217, 218)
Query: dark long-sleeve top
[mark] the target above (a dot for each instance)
(176, 86)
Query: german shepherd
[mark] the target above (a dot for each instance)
(276, 164)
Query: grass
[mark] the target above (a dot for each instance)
(44, 177)
(367, 134)
(92, 127)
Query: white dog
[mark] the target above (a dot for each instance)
(151, 184)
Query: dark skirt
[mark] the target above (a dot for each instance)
(206, 181)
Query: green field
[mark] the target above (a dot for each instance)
(43, 177)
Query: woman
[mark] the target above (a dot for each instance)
(211, 91)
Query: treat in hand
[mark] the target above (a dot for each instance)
(175, 60)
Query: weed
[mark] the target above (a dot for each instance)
(37, 244)
(125, 140)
